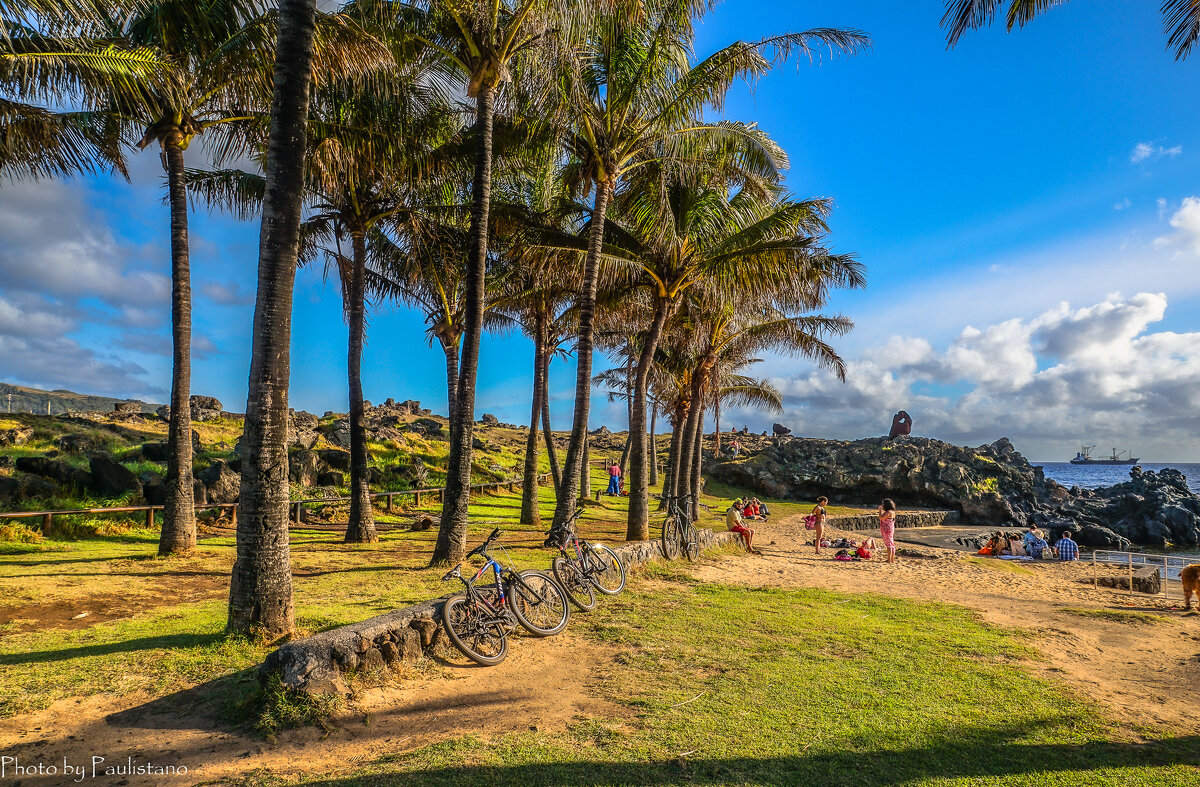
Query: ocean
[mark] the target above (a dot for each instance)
(1092, 476)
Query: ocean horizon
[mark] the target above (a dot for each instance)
(1093, 476)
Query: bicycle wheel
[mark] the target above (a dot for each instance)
(605, 569)
(670, 537)
(540, 605)
(571, 579)
(482, 640)
(691, 545)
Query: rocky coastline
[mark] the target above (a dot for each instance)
(992, 485)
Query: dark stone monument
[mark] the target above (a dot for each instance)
(901, 425)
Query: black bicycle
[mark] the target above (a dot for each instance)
(479, 621)
(586, 568)
(679, 534)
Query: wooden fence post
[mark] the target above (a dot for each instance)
(417, 497)
(150, 518)
(389, 503)
(47, 524)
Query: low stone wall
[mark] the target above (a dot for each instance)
(1146, 579)
(903, 519)
(317, 664)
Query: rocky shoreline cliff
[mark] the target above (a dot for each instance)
(992, 485)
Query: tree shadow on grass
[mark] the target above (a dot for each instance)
(162, 642)
(985, 754)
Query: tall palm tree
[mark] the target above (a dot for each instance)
(1181, 19)
(485, 42)
(260, 591)
(731, 333)
(755, 246)
(637, 98)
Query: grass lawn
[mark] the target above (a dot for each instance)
(735, 686)
(172, 636)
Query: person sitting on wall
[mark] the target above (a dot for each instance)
(733, 520)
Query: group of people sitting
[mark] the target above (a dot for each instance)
(1033, 544)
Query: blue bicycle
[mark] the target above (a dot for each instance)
(479, 621)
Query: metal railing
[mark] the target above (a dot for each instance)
(295, 506)
(1169, 567)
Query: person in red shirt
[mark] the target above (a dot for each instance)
(614, 479)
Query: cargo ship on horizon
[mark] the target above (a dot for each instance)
(1084, 457)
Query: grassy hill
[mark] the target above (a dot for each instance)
(19, 399)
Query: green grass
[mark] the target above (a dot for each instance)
(731, 686)
(1117, 615)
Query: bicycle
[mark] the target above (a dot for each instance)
(592, 567)
(679, 535)
(479, 621)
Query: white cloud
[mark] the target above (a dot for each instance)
(1186, 222)
(1123, 204)
(1093, 374)
(1146, 151)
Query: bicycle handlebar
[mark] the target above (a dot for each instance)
(452, 573)
(482, 548)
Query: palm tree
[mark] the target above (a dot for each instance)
(731, 333)
(260, 591)
(484, 41)
(635, 99)
(1181, 19)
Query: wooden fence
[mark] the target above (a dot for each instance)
(295, 506)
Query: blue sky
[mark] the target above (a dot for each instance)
(982, 187)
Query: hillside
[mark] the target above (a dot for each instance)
(19, 399)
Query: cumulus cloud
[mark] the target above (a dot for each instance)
(56, 245)
(1146, 151)
(36, 349)
(1186, 222)
(1094, 373)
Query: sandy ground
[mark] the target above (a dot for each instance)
(541, 685)
(1145, 674)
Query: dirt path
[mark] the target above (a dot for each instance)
(1145, 673)
(542, 685)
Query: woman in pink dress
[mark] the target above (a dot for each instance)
(887, 527)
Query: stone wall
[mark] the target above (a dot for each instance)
(903, 519)
(317, 664)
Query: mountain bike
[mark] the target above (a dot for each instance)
(586, 568)
(679, 535)
(479, 621)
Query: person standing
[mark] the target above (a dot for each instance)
(887, 527)
(614, 479)
(817, 519)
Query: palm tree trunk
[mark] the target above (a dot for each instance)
(694, 485)
(717, 425)
(551, 449)
(568, 496)
(260, 590)
(361, 529)
(530, 515)
(638, 526)
(691, 435)
(653, 448)
(628, 407)
(451, 351)
(674, 454)
(585, 470)
(178, 533)
(452, 535)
